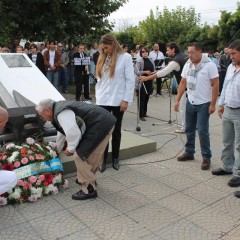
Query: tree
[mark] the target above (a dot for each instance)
(59, 20)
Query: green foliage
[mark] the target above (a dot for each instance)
(60, 20)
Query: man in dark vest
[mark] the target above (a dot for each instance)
(86, 128)
(175, 67)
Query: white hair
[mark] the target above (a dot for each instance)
(44, 104)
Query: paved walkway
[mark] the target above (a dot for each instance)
(151, 197)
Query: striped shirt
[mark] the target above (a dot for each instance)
(230, 95)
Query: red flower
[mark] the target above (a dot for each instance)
(48, 177)
(23, 151)
(8, 167)
(45, 184)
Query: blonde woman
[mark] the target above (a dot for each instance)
(114, 88)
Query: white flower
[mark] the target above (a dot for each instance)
(57, 178)
(32, 198)
(10, 191)
(48, 189)
(16, 194)
(39, 192)
(13, 157)
(3, 201)
(18, 147)
(53, 154)
(52, 144)
(30, 141)
(10, 145)
(36, 144)
(66, 184)
(33, 190)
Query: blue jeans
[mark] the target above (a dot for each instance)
(197, 118)
(53, 78)
(62, 78)
(231, 141)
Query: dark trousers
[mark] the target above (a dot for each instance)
(159, 85)
(81, 79)
(222, 75)
(116, 135)
(144, 98)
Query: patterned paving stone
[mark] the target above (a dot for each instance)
(234, 234)
(10, 217)
(204, 193)
(181, 204)
(23, 231)
(124, 201)
(153, 216)
(94, 212)
(42, 207)
(54, 226)
(185, 230)
(154, 170)
(120, 228)
(153, 190)
(85, 234)
(109, 184)
(212, 221)
(179, 181)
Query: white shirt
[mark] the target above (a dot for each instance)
(168, 69)
(51, 58)
(203, 89)
(230, 95)
(67, 120)
(153, 55)
(112, 91)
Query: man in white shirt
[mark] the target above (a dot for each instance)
(229, 111)
(158, 58)
(200, 76)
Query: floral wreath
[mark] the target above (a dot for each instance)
(39, 171)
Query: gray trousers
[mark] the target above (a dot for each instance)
(231, 140)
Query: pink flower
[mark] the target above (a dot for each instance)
(3, 201)
(30, 141)
(20, 182)
(33, 179)
(39, 157)
(31, 158)
(55, 190)
(17, 164)
(4, 157)
(41, 177)
(38, 183)
(52, 144)
(27, 185)
(24, 160)
(29, 152)
(32, 198)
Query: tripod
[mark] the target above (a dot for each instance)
(171, 78)
(137, 73)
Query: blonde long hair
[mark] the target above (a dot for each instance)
(108, 39)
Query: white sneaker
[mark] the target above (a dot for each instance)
(179, 131)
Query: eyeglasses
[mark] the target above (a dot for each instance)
(60, 46)
(143, 51)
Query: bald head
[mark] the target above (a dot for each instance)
(3, 117)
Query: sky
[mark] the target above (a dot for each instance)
(138, 10)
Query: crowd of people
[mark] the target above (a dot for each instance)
(201, 78)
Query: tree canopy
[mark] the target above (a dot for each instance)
(55, 19)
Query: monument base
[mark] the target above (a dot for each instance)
(132, 145)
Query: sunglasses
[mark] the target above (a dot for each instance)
(143, 51)
(60, 46)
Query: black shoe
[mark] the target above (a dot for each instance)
(83, 196)
(115, 163)
(234, 182)
(185, 157)
(88, 98)
(220, 172)
(237, 194)
(103, 167)
(142, 118)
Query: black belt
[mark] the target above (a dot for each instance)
(234, 108)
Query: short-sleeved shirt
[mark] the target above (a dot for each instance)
(203, 89)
